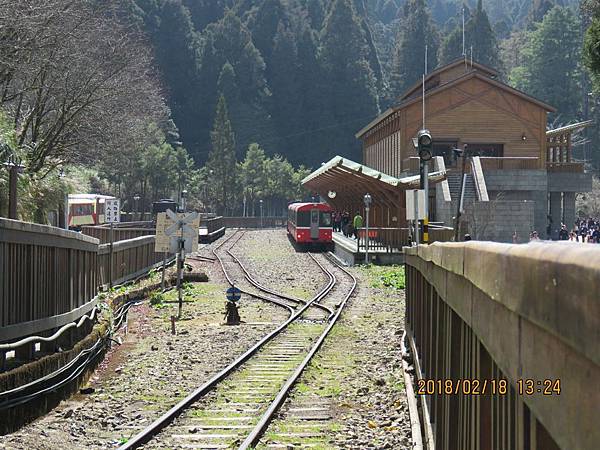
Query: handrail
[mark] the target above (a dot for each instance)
(478, 178)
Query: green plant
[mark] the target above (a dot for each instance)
(157, 299)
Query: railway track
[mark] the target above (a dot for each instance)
(235, 408)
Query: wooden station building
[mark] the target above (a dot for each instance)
(521, 177)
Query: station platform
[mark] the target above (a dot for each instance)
(346, 249)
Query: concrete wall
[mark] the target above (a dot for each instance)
(569, 182)
(535, 308)
(498, 220)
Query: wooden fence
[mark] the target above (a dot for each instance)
(131, 258)
(48, 277)
(102, 233)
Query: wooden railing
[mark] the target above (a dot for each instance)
(131, 258)
(393, 239)
(102, 233)
(48, 278)
(510, 163)
(505, 344)
(254, 222)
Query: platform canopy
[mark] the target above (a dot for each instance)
(342, 182)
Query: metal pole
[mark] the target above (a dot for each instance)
(367, 236)
(416, 206)
(459, 199)
(110, 257)
(164, 268)
(179, 267)
(425, 187)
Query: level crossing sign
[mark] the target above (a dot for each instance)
(112, 210)
(173, 229)
(233, 294)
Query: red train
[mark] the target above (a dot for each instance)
(310, 223)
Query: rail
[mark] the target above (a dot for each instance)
(255, 222)
(393, 239)
(505, 344)
(510, 163)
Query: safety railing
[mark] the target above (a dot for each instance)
(48, 278)
(505, 344)
(510, 163)
(131, 258)
(254, 222)
(393, 239)
(102, 233)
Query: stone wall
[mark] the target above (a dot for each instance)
(497, 220)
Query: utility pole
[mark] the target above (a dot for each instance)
(14, 166)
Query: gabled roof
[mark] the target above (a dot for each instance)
(445, 86)
(468, 76)
(343, 182)
(459, 61)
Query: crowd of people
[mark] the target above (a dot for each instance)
(343, 224)
(584, 230)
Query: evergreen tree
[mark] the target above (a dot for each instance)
(478, 35)
(221, 160)
(417, 30)
(264, 24)
(253, 177)
(344, 55)
(551, 64)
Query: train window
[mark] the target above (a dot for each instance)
(303, 219)
(325, 219)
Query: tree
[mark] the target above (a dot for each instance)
(416, 31)
(222, 161)
(352, 84)
(551, 64)
(72, 79)
(478, 35)
(253, 177)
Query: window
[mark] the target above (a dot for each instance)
(325, 219)
(491, 150)
(444, 148)
(303, 219)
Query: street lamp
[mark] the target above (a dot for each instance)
(136, 199)
(368, 200)
(261, 212)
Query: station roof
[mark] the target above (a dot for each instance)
(568, 128)
(350, 180)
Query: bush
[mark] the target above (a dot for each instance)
(157, 299)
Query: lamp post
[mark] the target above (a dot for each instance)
(136, 199)
(261, 212)
(368, 200)
(14, 166)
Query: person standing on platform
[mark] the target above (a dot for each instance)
(345, 223)
(357, 223)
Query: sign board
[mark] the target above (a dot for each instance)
(112, 210)
(170, 227)
(233, 294)
(410, 204)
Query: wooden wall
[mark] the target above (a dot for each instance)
(473, 111)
